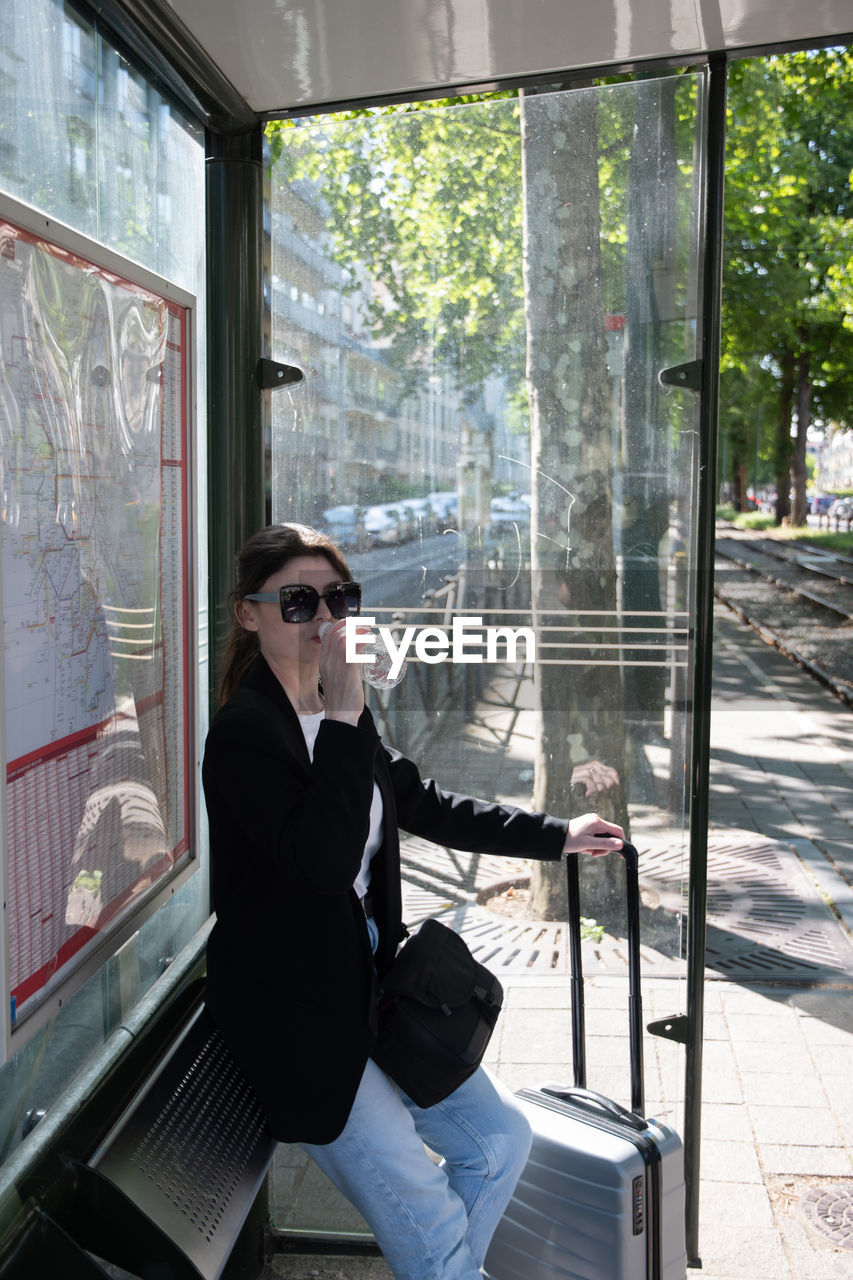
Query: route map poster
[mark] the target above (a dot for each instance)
(94, 376)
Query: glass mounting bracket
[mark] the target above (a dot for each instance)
(674, 1028)
(271, 374)
(688, 377)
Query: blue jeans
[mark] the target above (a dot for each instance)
(432, 1222)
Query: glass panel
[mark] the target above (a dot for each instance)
(86, 139)
(149, 163)
(48, 95)
(483, 297)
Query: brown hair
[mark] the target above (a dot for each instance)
(263, 555)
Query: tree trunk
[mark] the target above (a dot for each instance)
(572, 559)
(799, 509)
(782, 450)
(652, 306)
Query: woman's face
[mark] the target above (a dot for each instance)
(290, 646)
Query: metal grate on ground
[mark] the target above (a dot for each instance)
(766, 920)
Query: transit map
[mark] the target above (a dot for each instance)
(93, 429)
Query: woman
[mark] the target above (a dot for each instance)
(304, 803)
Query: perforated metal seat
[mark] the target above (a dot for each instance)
(174, 1180)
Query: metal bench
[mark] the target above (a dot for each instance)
(169, 1189)
(44, 1249)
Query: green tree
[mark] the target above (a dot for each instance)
(788, 211)
(580, 711)
(424, 201)
(491, 272)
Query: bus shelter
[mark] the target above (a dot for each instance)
(442, 283)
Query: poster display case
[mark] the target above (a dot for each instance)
(97, 594)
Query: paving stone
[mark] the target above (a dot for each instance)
(729, 1161)
(754, 1056)
(793, 1126)
(729, 1123)
(772, 1088)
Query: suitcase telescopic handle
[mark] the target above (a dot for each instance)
(589, 1100)
(631, 859)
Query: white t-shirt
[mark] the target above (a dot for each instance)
(310, 728)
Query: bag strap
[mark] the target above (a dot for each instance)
(486, 995)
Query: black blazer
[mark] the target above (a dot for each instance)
(291, 980)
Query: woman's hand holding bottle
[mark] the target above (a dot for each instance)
(343, 691)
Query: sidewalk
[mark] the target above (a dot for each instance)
(777, 1150)
(777, 1122)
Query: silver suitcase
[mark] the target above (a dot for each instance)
(602, 1195)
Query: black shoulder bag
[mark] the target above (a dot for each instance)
(437, 1009)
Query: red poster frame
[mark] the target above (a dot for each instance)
(62, 805)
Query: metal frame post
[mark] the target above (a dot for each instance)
(236, 501)
(703, 641)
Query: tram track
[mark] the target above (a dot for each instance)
(818, 561)
(803, 608)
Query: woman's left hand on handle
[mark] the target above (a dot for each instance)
(591, 834)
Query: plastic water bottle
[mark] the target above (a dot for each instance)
(376, 672)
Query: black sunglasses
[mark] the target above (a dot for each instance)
(300, 602)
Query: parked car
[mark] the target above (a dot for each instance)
(343, 526)
(508, 514)
(842, 507)
(402, 513)
(444, 505)
(424, 518)
(382, 526)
